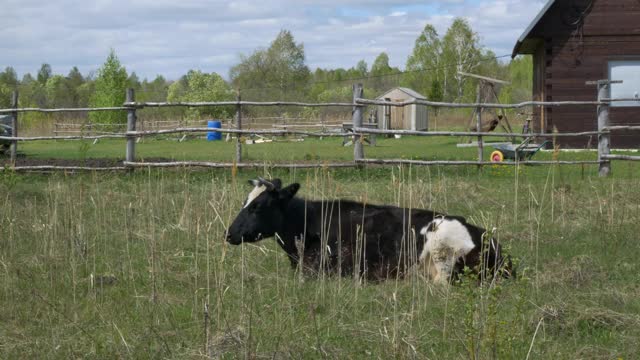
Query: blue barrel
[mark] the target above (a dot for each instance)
(211, 136)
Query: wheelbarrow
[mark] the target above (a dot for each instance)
(522, 152)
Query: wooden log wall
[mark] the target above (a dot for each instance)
(578, 39)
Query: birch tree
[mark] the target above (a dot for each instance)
(461, 52)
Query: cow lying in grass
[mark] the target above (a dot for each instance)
(373, 241)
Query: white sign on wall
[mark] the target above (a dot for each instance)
(629, 72)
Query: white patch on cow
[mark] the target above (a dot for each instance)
(254, 194)
(447, 241)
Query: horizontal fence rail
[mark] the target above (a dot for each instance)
(621, 127)
(69, 137)
(470, 133)
(620, 100)
(437, 104)
(207, 164)
(354, 130)
(235, 131)
(471, 162)
(234, 103)
(61, 110)
(621, 157)
(64, 168)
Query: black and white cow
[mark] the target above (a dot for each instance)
(374, 241)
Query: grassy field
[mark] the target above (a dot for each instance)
(328, 149)
(135, 266)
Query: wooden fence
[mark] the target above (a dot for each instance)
(357, 105)
(281, 122)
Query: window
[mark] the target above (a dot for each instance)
(629, 72)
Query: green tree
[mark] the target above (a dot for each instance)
(461, 53)
(362, 68)
(8, 83)
(75, 78)
(85, 93)
(155, 90)
(134, 82)
(44, 74)
(520, 75)
(337, 94)
(74, 81)
(381, 79)
(110, 87)
(424, 65)
(5, 96)
(381, 65)
(26, 89)
(27, 78)
(59, 93)
(280, 69)
(197, 86)
(9, 77)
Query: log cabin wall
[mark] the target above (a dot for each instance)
(577, 39)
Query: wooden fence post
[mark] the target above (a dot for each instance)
(14, 126)
(358, 151)
(239, 127)
(480, 141)
(479, 126)
(604, 137)
(131, 126)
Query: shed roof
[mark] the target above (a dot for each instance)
(414, 94)
(523, 45)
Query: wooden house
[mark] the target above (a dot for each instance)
(410, 117)
(575, 41)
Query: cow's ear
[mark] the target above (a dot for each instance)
(254, 182)
(289, 192)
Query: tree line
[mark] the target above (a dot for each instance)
(280, 72)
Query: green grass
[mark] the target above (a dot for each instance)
(104, 266)
(328, 149)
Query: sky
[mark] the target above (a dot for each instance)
(152, 37)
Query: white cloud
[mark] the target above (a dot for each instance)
(170, 37)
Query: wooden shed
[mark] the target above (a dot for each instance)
(574, 41)
(411, 117)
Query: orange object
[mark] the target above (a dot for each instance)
(496, 156)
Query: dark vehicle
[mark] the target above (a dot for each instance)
(5, 130)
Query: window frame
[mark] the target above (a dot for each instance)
(610, 64)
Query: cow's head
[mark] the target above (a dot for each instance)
(263, 213)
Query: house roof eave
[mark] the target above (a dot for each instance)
(525, 35)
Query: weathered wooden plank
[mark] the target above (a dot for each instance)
(239, 127)
(131, 126)
(475, 105)
(622, 157)
(236, 165)
(459, 163)
(358, 115)
(61, 110)
(14, 125)
(63, 168)
(469, 133)
(234, 103)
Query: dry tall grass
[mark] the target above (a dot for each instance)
(136, 266)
